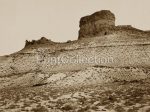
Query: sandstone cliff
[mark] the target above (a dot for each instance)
(96, 24)
(103, 23)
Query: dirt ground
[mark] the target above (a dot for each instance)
(113, 97)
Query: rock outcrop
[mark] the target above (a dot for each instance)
(96, 24)
(43, 40)
(103, 23)
(106, 69)
(121, 48)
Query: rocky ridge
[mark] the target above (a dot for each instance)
(119, 50)
(124, 59)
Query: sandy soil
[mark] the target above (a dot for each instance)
(124, 96)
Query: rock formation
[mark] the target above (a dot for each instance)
(96, 24)
(112, 46)
(43, 40)
(103, 23)
(106, 69)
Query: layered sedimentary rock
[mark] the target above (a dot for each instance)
(123, 49)
(96, 24)
(47, 76)
(103, 23)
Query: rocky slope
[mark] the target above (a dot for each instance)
(106, 69)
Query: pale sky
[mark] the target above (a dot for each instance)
(58, 20)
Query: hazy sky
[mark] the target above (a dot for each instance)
(58, 20)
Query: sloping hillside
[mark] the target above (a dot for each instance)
(106, 70)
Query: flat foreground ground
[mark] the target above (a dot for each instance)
(113, 97)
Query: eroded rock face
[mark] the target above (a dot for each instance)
(43, 40)
(103, 15)
(96, 24)
(123, 46)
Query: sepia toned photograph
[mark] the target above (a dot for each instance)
(74, 56)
